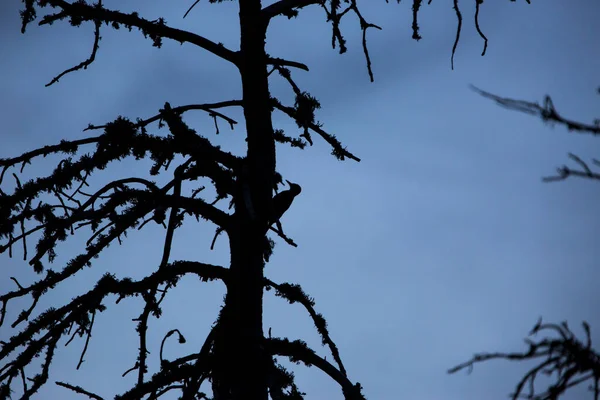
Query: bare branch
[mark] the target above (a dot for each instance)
(298, 351)
(286, 63)
(458, 29)
(84, 64)
(191, 7)
(564, 172)
(547, 112)
(80, 390)
(208, 107)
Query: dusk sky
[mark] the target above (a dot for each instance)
(441, 243)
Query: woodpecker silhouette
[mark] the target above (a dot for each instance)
(282, 201)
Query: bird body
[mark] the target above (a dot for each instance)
(282, 202)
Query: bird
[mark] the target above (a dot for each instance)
(282, 202)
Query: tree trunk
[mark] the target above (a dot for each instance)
(242, 362)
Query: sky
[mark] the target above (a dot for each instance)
(441, 243)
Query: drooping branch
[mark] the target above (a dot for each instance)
(298, 351)
(291, 8)
(458, 30)
(294, 293)
(55, 321)
(86, 63)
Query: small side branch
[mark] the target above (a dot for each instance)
(80, 390)
(84, 64)
(458, 30)
(280, 62)
(284, 237)
(288, 8)
(339, 151)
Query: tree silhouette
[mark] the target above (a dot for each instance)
(570, 361)
(236, 358)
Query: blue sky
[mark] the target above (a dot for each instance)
(441, 243)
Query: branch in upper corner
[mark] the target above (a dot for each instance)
(84, 64)
(547, 112)
(79, 12)
(458, 29)
(336, 34)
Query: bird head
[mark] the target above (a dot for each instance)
(294, 188)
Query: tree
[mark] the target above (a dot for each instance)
(569, 360)
(236, 356)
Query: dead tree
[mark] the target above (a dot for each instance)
(236, 358)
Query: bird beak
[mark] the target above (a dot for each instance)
(289, 183)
